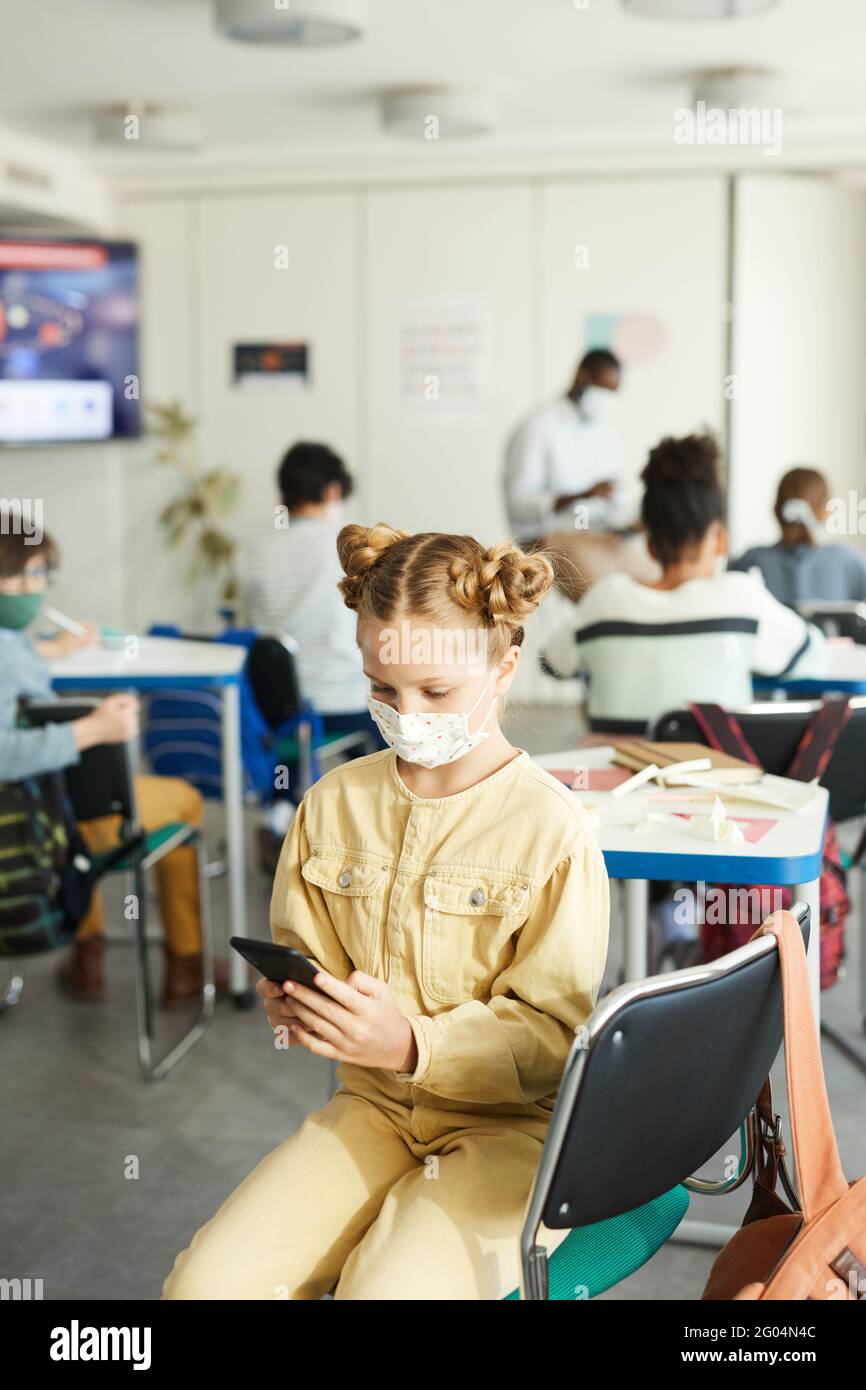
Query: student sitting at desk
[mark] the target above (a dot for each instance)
(697, 633)
(25, 570)
(804, 565)
(289, 579)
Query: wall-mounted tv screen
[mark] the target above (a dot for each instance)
(68, 341)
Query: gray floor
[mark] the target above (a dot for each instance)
(106, 1177)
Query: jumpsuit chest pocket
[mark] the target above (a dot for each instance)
(354, 893)
(468, 926)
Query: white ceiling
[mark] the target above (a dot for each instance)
(562, 75)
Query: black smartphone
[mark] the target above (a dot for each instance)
(277, 963)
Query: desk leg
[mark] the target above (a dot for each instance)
(235, 849)
(810, 893)
(636, 928)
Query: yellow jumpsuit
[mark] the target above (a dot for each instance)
(486, 913)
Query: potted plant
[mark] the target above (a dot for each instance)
(197, 514)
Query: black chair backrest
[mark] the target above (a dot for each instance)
(101, 783)
(629, 728)
(774, 729)
(838, 619)
(273, 677)
(673, 1067)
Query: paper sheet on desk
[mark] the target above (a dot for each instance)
(780, 792)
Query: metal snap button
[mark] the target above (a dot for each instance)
(478, 897)
(345, 878)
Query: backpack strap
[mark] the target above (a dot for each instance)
(819, 1170)
(815, 748)
(722, 732)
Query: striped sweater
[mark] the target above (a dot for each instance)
(645, 651)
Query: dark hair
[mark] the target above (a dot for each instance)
(683, 495)
(306, 470)
(599, 360)
(16, 550)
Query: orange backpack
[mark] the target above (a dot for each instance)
(816, 1248)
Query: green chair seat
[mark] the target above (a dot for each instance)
(287, 750)
(597, 1257)
(153, 840)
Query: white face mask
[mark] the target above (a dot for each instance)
(593, 403)
(430, 740)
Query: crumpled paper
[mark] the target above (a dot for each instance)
(717, 826)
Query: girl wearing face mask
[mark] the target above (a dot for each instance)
(456, 904)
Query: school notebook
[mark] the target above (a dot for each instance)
(639, 753)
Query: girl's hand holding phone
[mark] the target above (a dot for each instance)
(278, 1008)
(354, 1020)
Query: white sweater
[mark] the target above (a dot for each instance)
(289, 588)
(646, 651)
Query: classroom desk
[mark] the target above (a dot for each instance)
(160, 663)
(789, 855)
(845, 674)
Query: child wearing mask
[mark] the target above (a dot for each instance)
(805, 565)
(25, 571)
(454, 900)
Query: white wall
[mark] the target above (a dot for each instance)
(242, 297)
(153, 578)
(799, 342)
(653, 247)
(431, 465)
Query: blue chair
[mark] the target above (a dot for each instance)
(183, 732)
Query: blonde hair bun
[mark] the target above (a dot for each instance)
(503, 586)
(359, 548)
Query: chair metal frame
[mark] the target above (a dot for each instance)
(534, 1257)
(14, 987)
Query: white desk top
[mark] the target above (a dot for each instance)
(150, 661)
(789, 852)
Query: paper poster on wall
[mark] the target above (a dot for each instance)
(271, 364)
(635, 338)
(444, 350)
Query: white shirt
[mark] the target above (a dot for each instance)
(555, 452)
(647, 651)
(289, 588)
